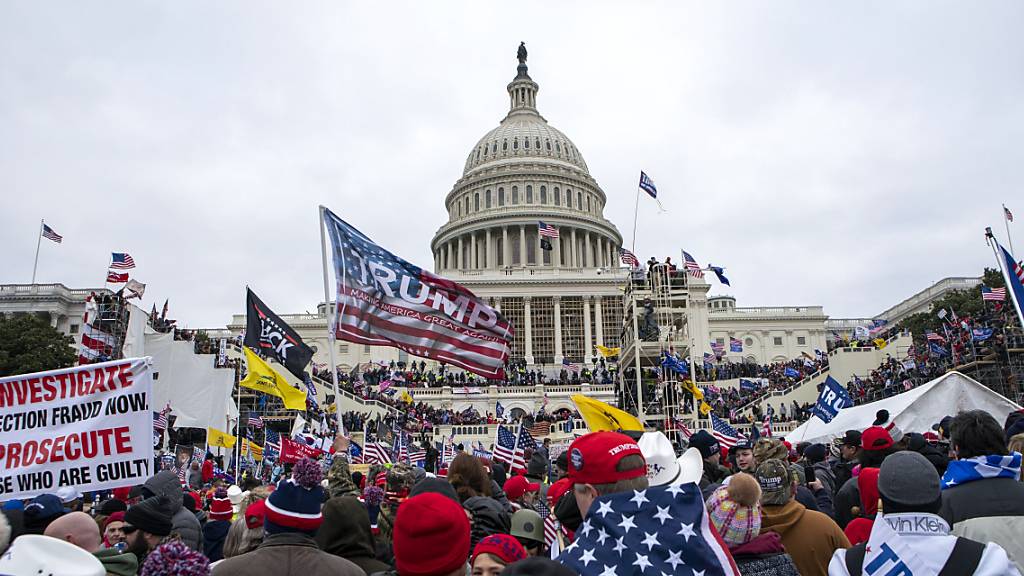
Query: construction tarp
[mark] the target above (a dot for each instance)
(198, 393)
(913, 411)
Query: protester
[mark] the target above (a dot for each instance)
(859, 528)
(735, 511)
(494, 553)
(809, 537)
(185, 524)
(528, 528)
(816, 455)
(216, 529)
(875, 445)
(5, 533)
(38, 555)
(714, 473)
(743, 454)
(70, 497)
(521, 492)
(346, 530)
(146, 525)
(42, 510)
(843, 463)
(431, 537)
(292, 519)
(113, 530)
(982, 497)
(79, 529)
(602, 463)
(909, 537)
(174, 558)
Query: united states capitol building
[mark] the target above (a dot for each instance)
(563, 301)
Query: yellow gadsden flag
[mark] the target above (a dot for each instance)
(705, 408)
(215, 437)
(690, 387)
(880, 343)
(265, 379)
(603, 417)
(608, 352)
(406, 397)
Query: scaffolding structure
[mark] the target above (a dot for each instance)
(656, 309)
(109, 325)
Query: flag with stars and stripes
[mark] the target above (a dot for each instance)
(663, 530)
(121, 261)
(382, 300)
(993, 294)
(376, 453)
(628, 258)
(505, 446)
(691, 266)
(547, 230)
(271, 443)
(49, 234)
(726, 435)
(255, 421)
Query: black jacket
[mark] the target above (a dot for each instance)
(214, 534)
(346, 532)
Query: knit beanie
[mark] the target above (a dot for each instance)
(816, 453)
(502, 546)
(175, 558)
(115, 517)
(108, 507)
(734, 509)
(295, 505)
(220, 506)
(152, 515)
(430, 536)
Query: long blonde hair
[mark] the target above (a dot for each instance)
(241, 539)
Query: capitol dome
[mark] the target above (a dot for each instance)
(523, 173)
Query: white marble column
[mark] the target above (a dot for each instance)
(506, 250)
(489, 251)
(556, 254)
(588, 346)
(597, 320)
(558, 330)
(575, 261)
(527, 331)
(522, 246)
(588, 258)
(462, 265)
(474, 262)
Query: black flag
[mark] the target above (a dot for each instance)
(271, 336)
(545, 244)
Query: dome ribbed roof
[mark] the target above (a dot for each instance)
(526, 136)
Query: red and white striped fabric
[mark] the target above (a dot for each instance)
(94, 344)
(383, 300)
(377, 453)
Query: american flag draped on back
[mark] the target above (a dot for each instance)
(663, 530)
(385, 301)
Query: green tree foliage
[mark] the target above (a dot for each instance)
(963, 302)
(29, 344)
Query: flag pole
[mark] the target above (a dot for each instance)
(636, 211)
(238, 420)
(330, 318)
(39, 240)
(1009, 239)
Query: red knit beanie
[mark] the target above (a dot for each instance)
(504, 547)
(430, 536)
(220, 506)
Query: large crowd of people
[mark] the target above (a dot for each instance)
(943, 501)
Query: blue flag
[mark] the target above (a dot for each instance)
(670, 362)
(499, 410)
(748, 385)
(981, 334)
(937, 350)
(791, 372)
(720, 272)
(832, 399)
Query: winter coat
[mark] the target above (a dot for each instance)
(214, 534)
(847, 497)
(763, 556)
(487, 517)
(713, 474)
(117, 563)
(810, 537)
(287, 554)
(339, 480)
(345, 532)
(823, 472)
(183, 522)
(929, 537)
(988, 510)
(842, 471)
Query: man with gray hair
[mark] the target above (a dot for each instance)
(810, 537)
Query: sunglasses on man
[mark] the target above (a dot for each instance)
(128, 529)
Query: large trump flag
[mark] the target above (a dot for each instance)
(382, 300)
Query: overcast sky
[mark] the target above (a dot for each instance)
(845, 154)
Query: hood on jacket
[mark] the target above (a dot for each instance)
(346, 532)
(766, 544)
(118, 563)
(165, 483)
(488, 517)
(781, 518)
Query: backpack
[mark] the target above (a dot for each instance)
(964, 558)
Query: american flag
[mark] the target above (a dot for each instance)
(639, 532)
(355, 452)
(417, 456)
(628, 258)
(383, 300)
(401, 450)
(691, 265)
(1008, 214)
(505, 446)
(540, 429)
(934, 337)
(121, 261)
(726, 435)
(647, 185)
(377, 453)
(160, 419)
(547, 230)
(255, 421)
(49, 234)
(718, 347)
(735, 345)
(766, 426)
(993, 294)
(570, 365)
(271, 442)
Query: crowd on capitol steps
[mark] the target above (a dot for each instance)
(875, 501)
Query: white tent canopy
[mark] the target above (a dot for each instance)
(913, 411)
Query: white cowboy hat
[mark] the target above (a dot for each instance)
(35, 555)
(663, 467)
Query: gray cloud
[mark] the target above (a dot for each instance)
(835, 154)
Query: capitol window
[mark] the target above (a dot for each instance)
(501, 196)
(568, 198)
(558, 148)
(777, 340)
(543, 194)
(801, 341)
(515, 194)
(558, 196)
(579, 200)
(537, 142)
(515, 143)
(487, 199)
(504, 145)
(526, 142)
(476, 202)
(529, 194)
(548, 142)
(748, 342)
